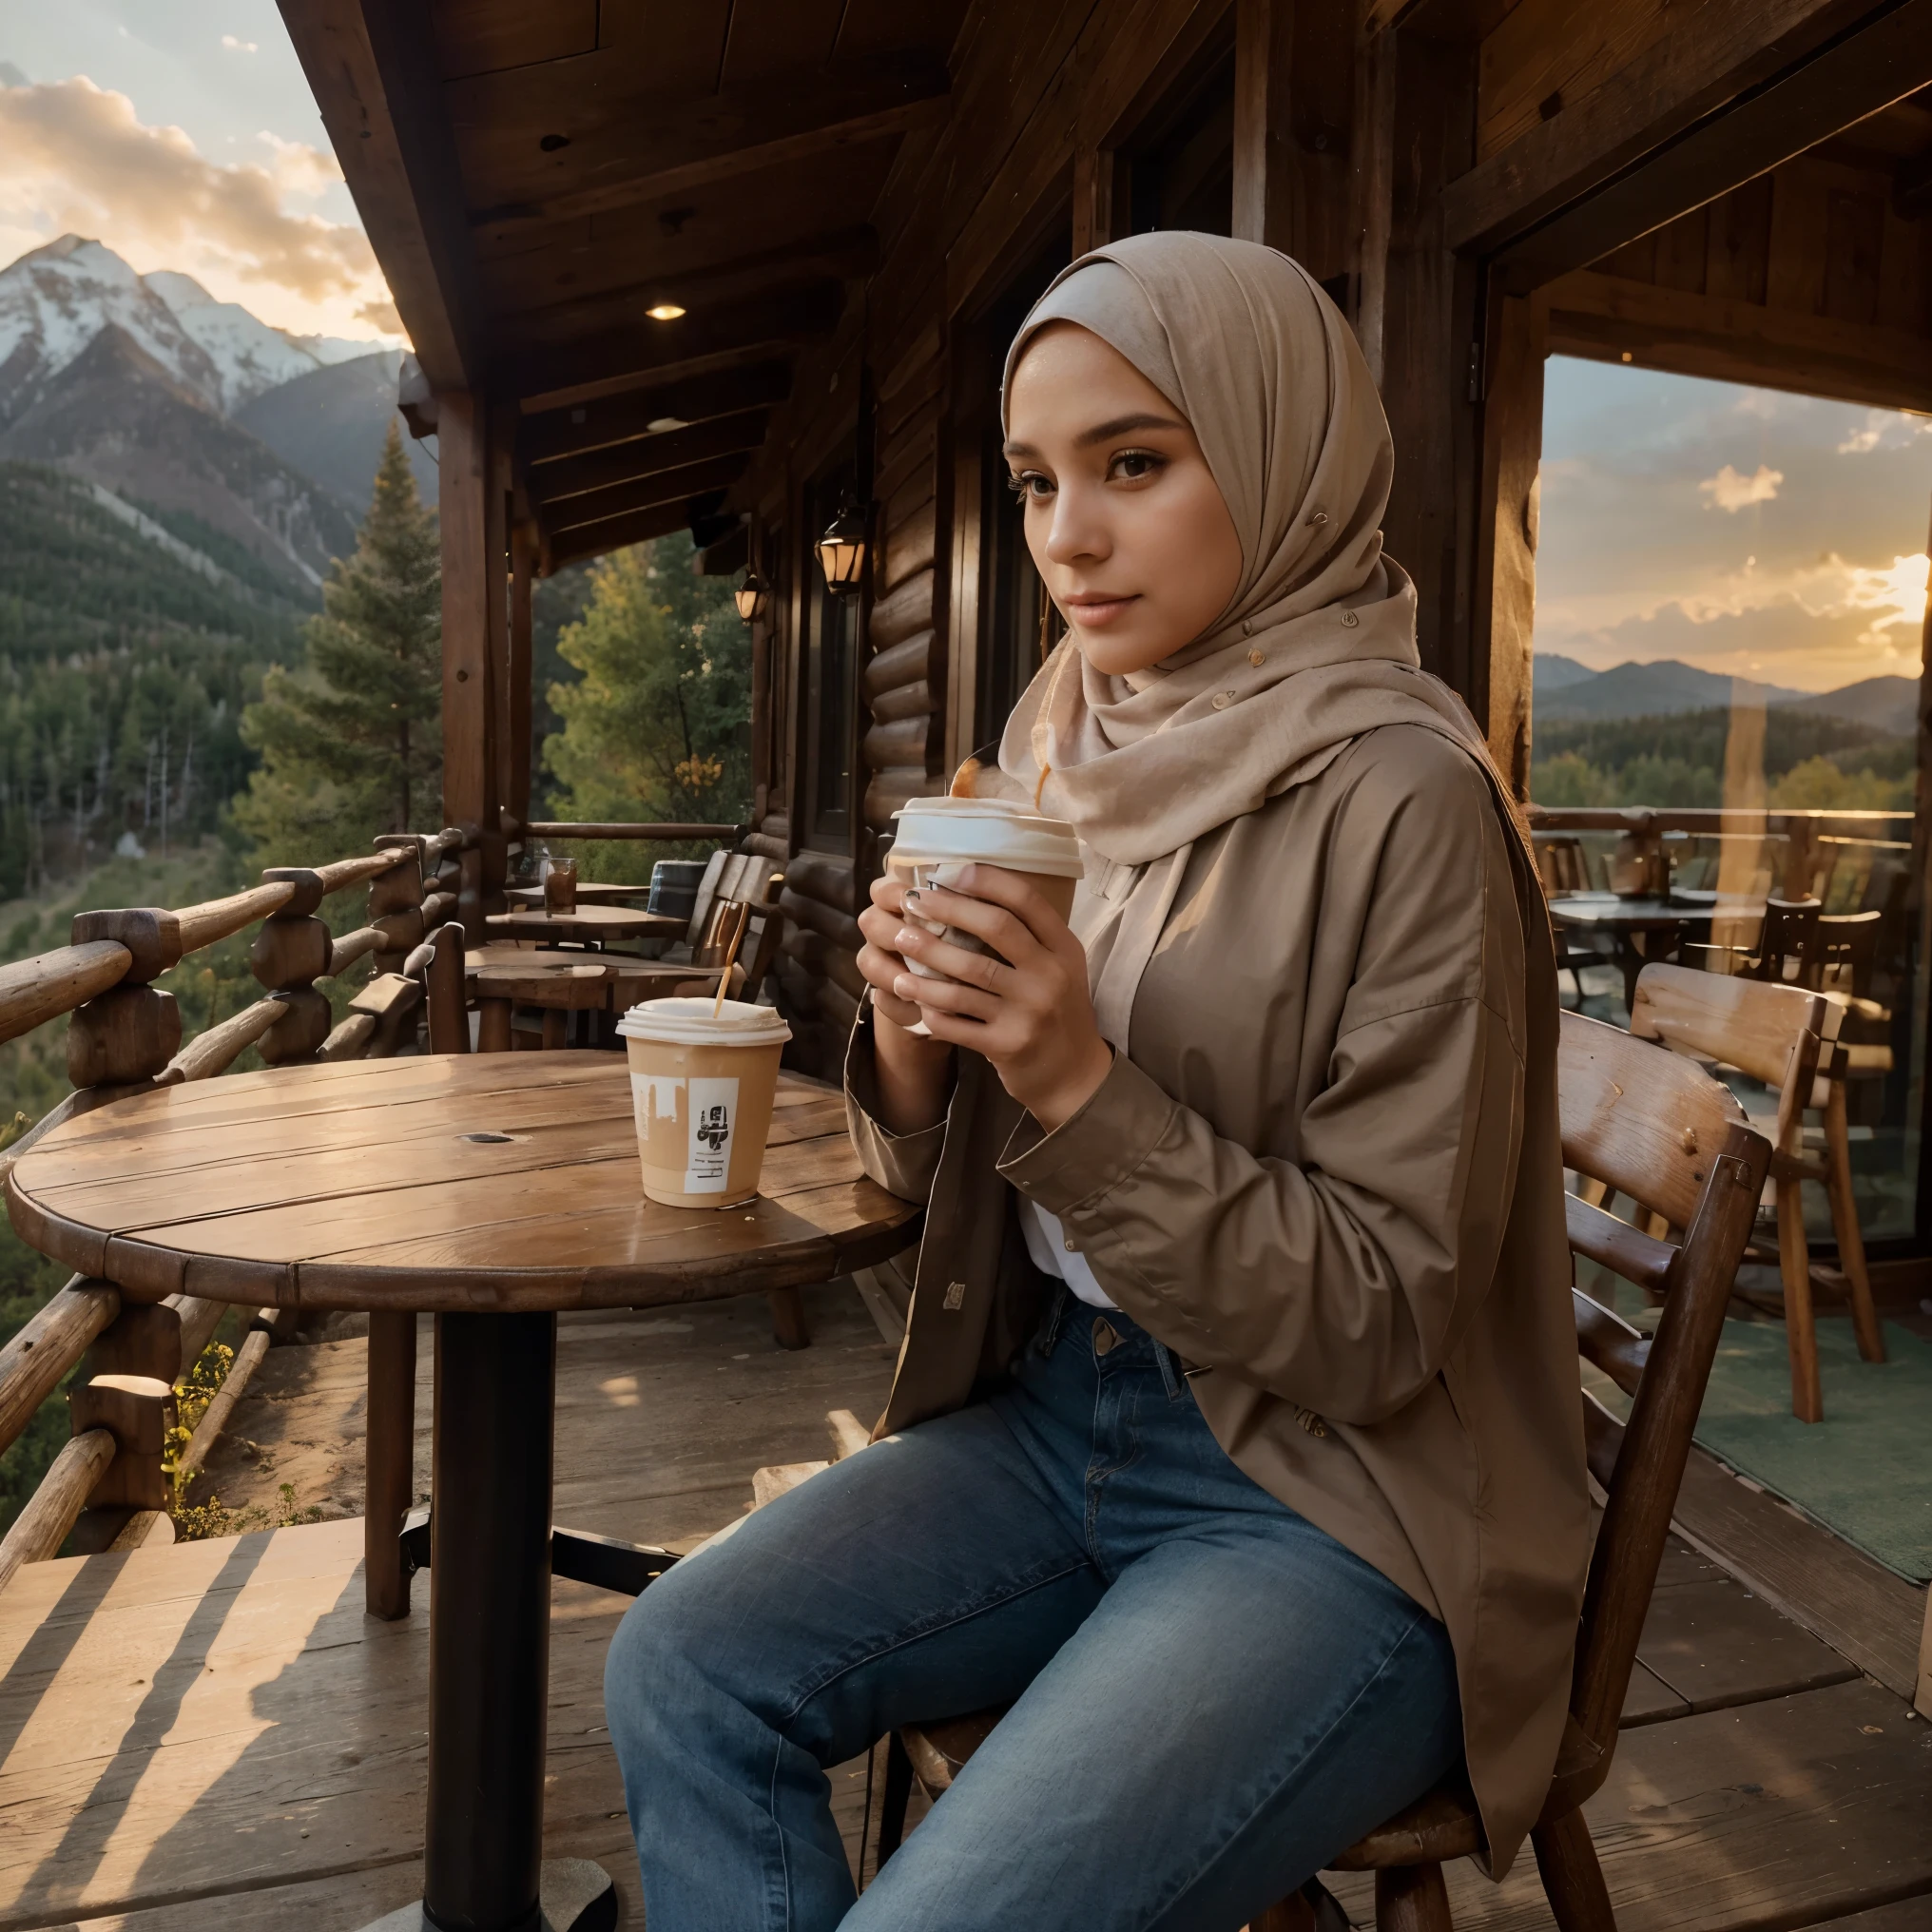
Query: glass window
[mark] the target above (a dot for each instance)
(1729, 590)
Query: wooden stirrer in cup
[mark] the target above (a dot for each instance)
(731, 955)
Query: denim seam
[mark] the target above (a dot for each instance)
(1301, 1759)
(919, 1633)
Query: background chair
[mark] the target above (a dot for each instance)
(1657, 1127)
(1781, 1035)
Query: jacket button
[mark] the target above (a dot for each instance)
(1257, 657)
(1223, 699)
(1349, 620)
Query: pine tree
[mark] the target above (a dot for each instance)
(658, 726)
(351, 744)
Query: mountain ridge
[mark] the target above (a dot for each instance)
(1566, 691)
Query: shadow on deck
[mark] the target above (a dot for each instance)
(217, 1728)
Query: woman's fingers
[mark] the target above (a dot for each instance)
(954, 961)
(948, 996)
(994, 924)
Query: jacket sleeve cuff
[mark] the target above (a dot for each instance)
(1085, 1158)
(902, 1163)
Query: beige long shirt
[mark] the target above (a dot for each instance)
(1329, 1176)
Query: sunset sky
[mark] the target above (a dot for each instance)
(1742, 531)
(182, 134)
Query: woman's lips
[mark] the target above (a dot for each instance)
(1095, 613)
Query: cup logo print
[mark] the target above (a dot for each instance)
(713, 1115)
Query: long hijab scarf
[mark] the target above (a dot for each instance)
(1318, 643)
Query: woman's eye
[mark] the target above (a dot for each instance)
(1136, 466)
(1030, 484)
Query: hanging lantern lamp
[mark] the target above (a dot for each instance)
(753, 597)
(842, 550)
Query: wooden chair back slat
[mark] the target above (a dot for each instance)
(1645, 1122)
(1753, 1025)
(1598, 1236)
(1642, 1489)
(1609, 1343)
(707, 890)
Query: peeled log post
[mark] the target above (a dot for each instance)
(214, 1421)
(346, 872)
(199, 1321)
(352, 947)
(351, 1039)
(32, 1363)
(53, 1509)
(201, 925)
(37, 990)
(218, 1049)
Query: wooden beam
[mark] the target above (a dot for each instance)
(1728, 93)
(669, 486)
(1429, 343)
(559, 435)
(646, 456)
(616, 532)
(520, 753)
(372, 71)
(841, 255)
(1507, 524)
(659, 351)
(1097, 176)
(1294, 92)
(1605, 316)
(621, 145)
(469, 766)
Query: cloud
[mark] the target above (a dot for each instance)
(75, 157)
(235, 46)
(1730, 490)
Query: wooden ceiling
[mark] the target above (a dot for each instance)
(535, 179)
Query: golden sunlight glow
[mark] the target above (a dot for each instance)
(665, 312)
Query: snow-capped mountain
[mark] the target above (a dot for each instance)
(248, 356)
(53, 302)
(56, 299)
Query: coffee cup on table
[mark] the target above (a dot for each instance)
(701, 1086)
(939, 838)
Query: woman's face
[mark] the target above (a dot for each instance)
(1127, 526)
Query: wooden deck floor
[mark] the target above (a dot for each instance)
(216, 1732)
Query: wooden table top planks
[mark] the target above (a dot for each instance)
(603, 981)
(361, 1185)
(587, 922)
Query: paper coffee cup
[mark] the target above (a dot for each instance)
(937, 837)
(701, 1088)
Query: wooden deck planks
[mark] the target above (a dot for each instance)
(173, 1722)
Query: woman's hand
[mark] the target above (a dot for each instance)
(915, 1074)
(1032, 1018)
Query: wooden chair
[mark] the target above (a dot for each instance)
(1786, 1037)
(1660, 1129)
(1784, 950)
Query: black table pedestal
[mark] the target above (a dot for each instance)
(490, 1627)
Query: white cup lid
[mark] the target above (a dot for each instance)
(691, 1023)
(991, 831)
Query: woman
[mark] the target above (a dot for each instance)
(1235, 1435)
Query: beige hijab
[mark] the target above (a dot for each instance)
(1318, 643)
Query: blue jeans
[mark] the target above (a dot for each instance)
(1213, 1696)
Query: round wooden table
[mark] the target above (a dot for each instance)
(492, 1190)
(500, 977)
(1660, 922)
(595, 922)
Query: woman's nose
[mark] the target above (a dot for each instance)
(1078, 532)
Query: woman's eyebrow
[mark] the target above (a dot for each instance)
(1125, 425)
(1103, 432)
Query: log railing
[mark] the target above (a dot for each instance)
(124, 1037)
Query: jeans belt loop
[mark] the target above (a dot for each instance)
(1170, 1374)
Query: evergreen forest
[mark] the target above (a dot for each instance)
(173, 718)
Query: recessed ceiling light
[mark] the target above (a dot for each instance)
(658, 424)
(665, 312)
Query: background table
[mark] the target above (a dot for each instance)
(587, 922)
(494, 1190)
(562, 984)
(1661, 922)
(588, 894)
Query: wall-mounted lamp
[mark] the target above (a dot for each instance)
(842, 550)
(665, 312)
(753, 597)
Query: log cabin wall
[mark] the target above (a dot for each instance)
(1475, 182)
